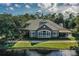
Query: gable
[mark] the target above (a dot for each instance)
(44, 27)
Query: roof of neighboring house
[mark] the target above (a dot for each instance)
(35, 24)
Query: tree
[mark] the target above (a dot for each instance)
(53, 17)
(59, 18)
(9, 26)
(69, 24)
(77, 23)
(66, 23)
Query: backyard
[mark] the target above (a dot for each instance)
(46, 44)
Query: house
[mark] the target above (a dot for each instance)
(41, 28)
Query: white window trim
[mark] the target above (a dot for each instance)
(44, 36)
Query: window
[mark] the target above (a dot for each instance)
(44, 32)
(44, 26)
(55, 34)
(40, 33)
(48, 33)
(33, 33)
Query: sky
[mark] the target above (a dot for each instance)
(32, 8)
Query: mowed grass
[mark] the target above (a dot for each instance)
(22, 44)
(56, 45)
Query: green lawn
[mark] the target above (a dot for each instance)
(47, 44)
(22, 44)
(56, 45)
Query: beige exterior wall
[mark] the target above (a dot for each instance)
(55, 34)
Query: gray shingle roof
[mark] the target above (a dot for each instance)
(34, 25)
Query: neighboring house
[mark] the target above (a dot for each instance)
(40, 28)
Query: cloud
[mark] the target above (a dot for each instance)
(17, 5)
(53, 9)
(59, 7)
(44, 5)
(64, 8)
(40, 11)
(27, 6)
(48, 7)
(11, 8)
(73, 8)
